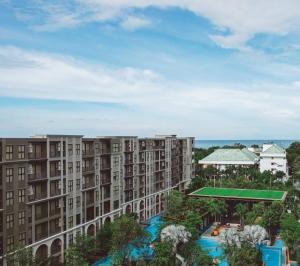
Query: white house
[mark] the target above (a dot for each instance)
(273, 158)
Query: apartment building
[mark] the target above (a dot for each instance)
(55, 186)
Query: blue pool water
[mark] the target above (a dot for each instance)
(144, 250)
(272, 256)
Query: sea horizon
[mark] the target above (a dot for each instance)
(284, 143)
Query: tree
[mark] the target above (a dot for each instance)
(125, 230)
(290, 232)
(163, 254)
(194, 255)
(244, 255)
(271, 217)
(74, 257)
(174, 203)
(240, 211)
(22, 256)
(103, 239)
(216, 207)
(192, 222)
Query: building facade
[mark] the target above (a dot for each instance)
(273, 158)
(53, 187)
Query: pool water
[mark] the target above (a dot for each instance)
(144, 250)
(213, 248)
(271, 255)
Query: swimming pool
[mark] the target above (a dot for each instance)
(271, 255)
(144, 250)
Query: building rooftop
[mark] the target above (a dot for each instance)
(230, 155)
(273, 149)
(235, 193)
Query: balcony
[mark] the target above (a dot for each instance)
(88, 185)
(37, 155)
(128, 161)
(55, 154)
(37, 177)
(55, 211)
(37, 196)
(88, 152)
(86, 170)
(41, 235)
(105, 181)
(55, 192)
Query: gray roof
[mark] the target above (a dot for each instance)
(274, 149)
(229, 155)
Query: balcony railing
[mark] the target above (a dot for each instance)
(55, 192)
(105, 181)
(88, 152)
(37, 155)
(37, 197)
(37, 176)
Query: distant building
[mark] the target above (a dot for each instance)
(273, 158)
(222, 158)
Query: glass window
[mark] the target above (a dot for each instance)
(9, 221)
(9, 175)
(9, 198)
(9, 152)
(21, 152)
(21, 173)
(21, 195)
(21, 217)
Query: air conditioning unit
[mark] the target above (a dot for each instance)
(30, 169)
(30, 148)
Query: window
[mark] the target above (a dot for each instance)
(70, 185)
(77, 184)
(78, 201)
(70, 149)
(21, 217)
(9, 221)
(22, 238)
(10, 244)
(71, 239)
(9, 175)
(9, 198)
(9, 152)
(116, 204)
(21, 152)
(70, 221)
(70, 167)
(78, 166)
(21, 173)
(116, 147)
(21, 195)
(71, 204)
(77, 149)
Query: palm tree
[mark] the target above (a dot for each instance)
(240, 211)
(216, 207)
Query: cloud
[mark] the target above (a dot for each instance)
(132, 23)
(235, 21)
(151, 101)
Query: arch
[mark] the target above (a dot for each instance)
(142, 205)
(107, 220)
(128, 209)
(56, 246)
(91, 230)
(41, 253)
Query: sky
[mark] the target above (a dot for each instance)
(212, 69)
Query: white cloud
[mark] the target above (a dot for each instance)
(132, 23)
(158, 103)
(238, 20)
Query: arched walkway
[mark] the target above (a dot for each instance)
(107, 220)
(41, 254)
(91, 230)
(56, 246)
(128, 209)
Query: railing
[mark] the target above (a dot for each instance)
(37, 176)
(54, 154)
(105, 181)
(37, 155)
(88, 152)
(37, 197)
(55, 192)
(54, 211)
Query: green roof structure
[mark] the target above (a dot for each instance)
(240, 194)
(230, 156)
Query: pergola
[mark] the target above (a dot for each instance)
(233, 196)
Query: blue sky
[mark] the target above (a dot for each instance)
(207, 68)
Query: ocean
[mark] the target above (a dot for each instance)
(211, 143)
